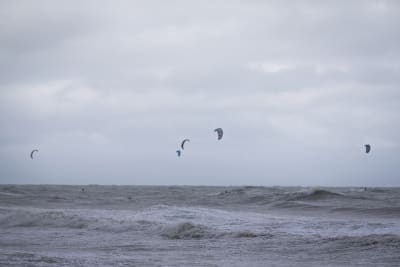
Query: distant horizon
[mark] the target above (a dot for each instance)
(203, 185)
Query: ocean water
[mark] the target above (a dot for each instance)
(58, 225)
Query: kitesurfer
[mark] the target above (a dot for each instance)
(183, 143)
(33, 151)
(220, 133)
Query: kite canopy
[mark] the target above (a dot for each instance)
(33, 151)
(220, 133)
(178, 152)
(183, 143)
(367, 148)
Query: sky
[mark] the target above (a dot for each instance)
(107, 90)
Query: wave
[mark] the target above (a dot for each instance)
(379, 190)
(59, 219)
(189, 230)
(318, 209)
(306, 200)
(10, 191)
(150, 219)
(391, 240)
(10, 194)
(254, 195)
(21, 218)
(233, 192)
(381, 212)
(243, 196)
(17, 258)
(314, 194)
(295, 205)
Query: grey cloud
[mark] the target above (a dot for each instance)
(108, 89)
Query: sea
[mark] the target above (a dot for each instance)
(96, 225)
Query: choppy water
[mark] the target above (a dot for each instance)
(53, 225)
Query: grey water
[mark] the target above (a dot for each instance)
(59, 225)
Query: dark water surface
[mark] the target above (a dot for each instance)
(58, 225)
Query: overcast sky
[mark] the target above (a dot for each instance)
(106, 91)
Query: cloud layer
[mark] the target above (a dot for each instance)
(107, 90)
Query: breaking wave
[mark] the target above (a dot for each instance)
(153, 224)
(59, 219)
(189, 230)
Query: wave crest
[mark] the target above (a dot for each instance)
(189, 230)
(315, 194)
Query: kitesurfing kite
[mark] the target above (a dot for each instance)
(33, 151)
(220, 133)
(183, 143)
(367, 148)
